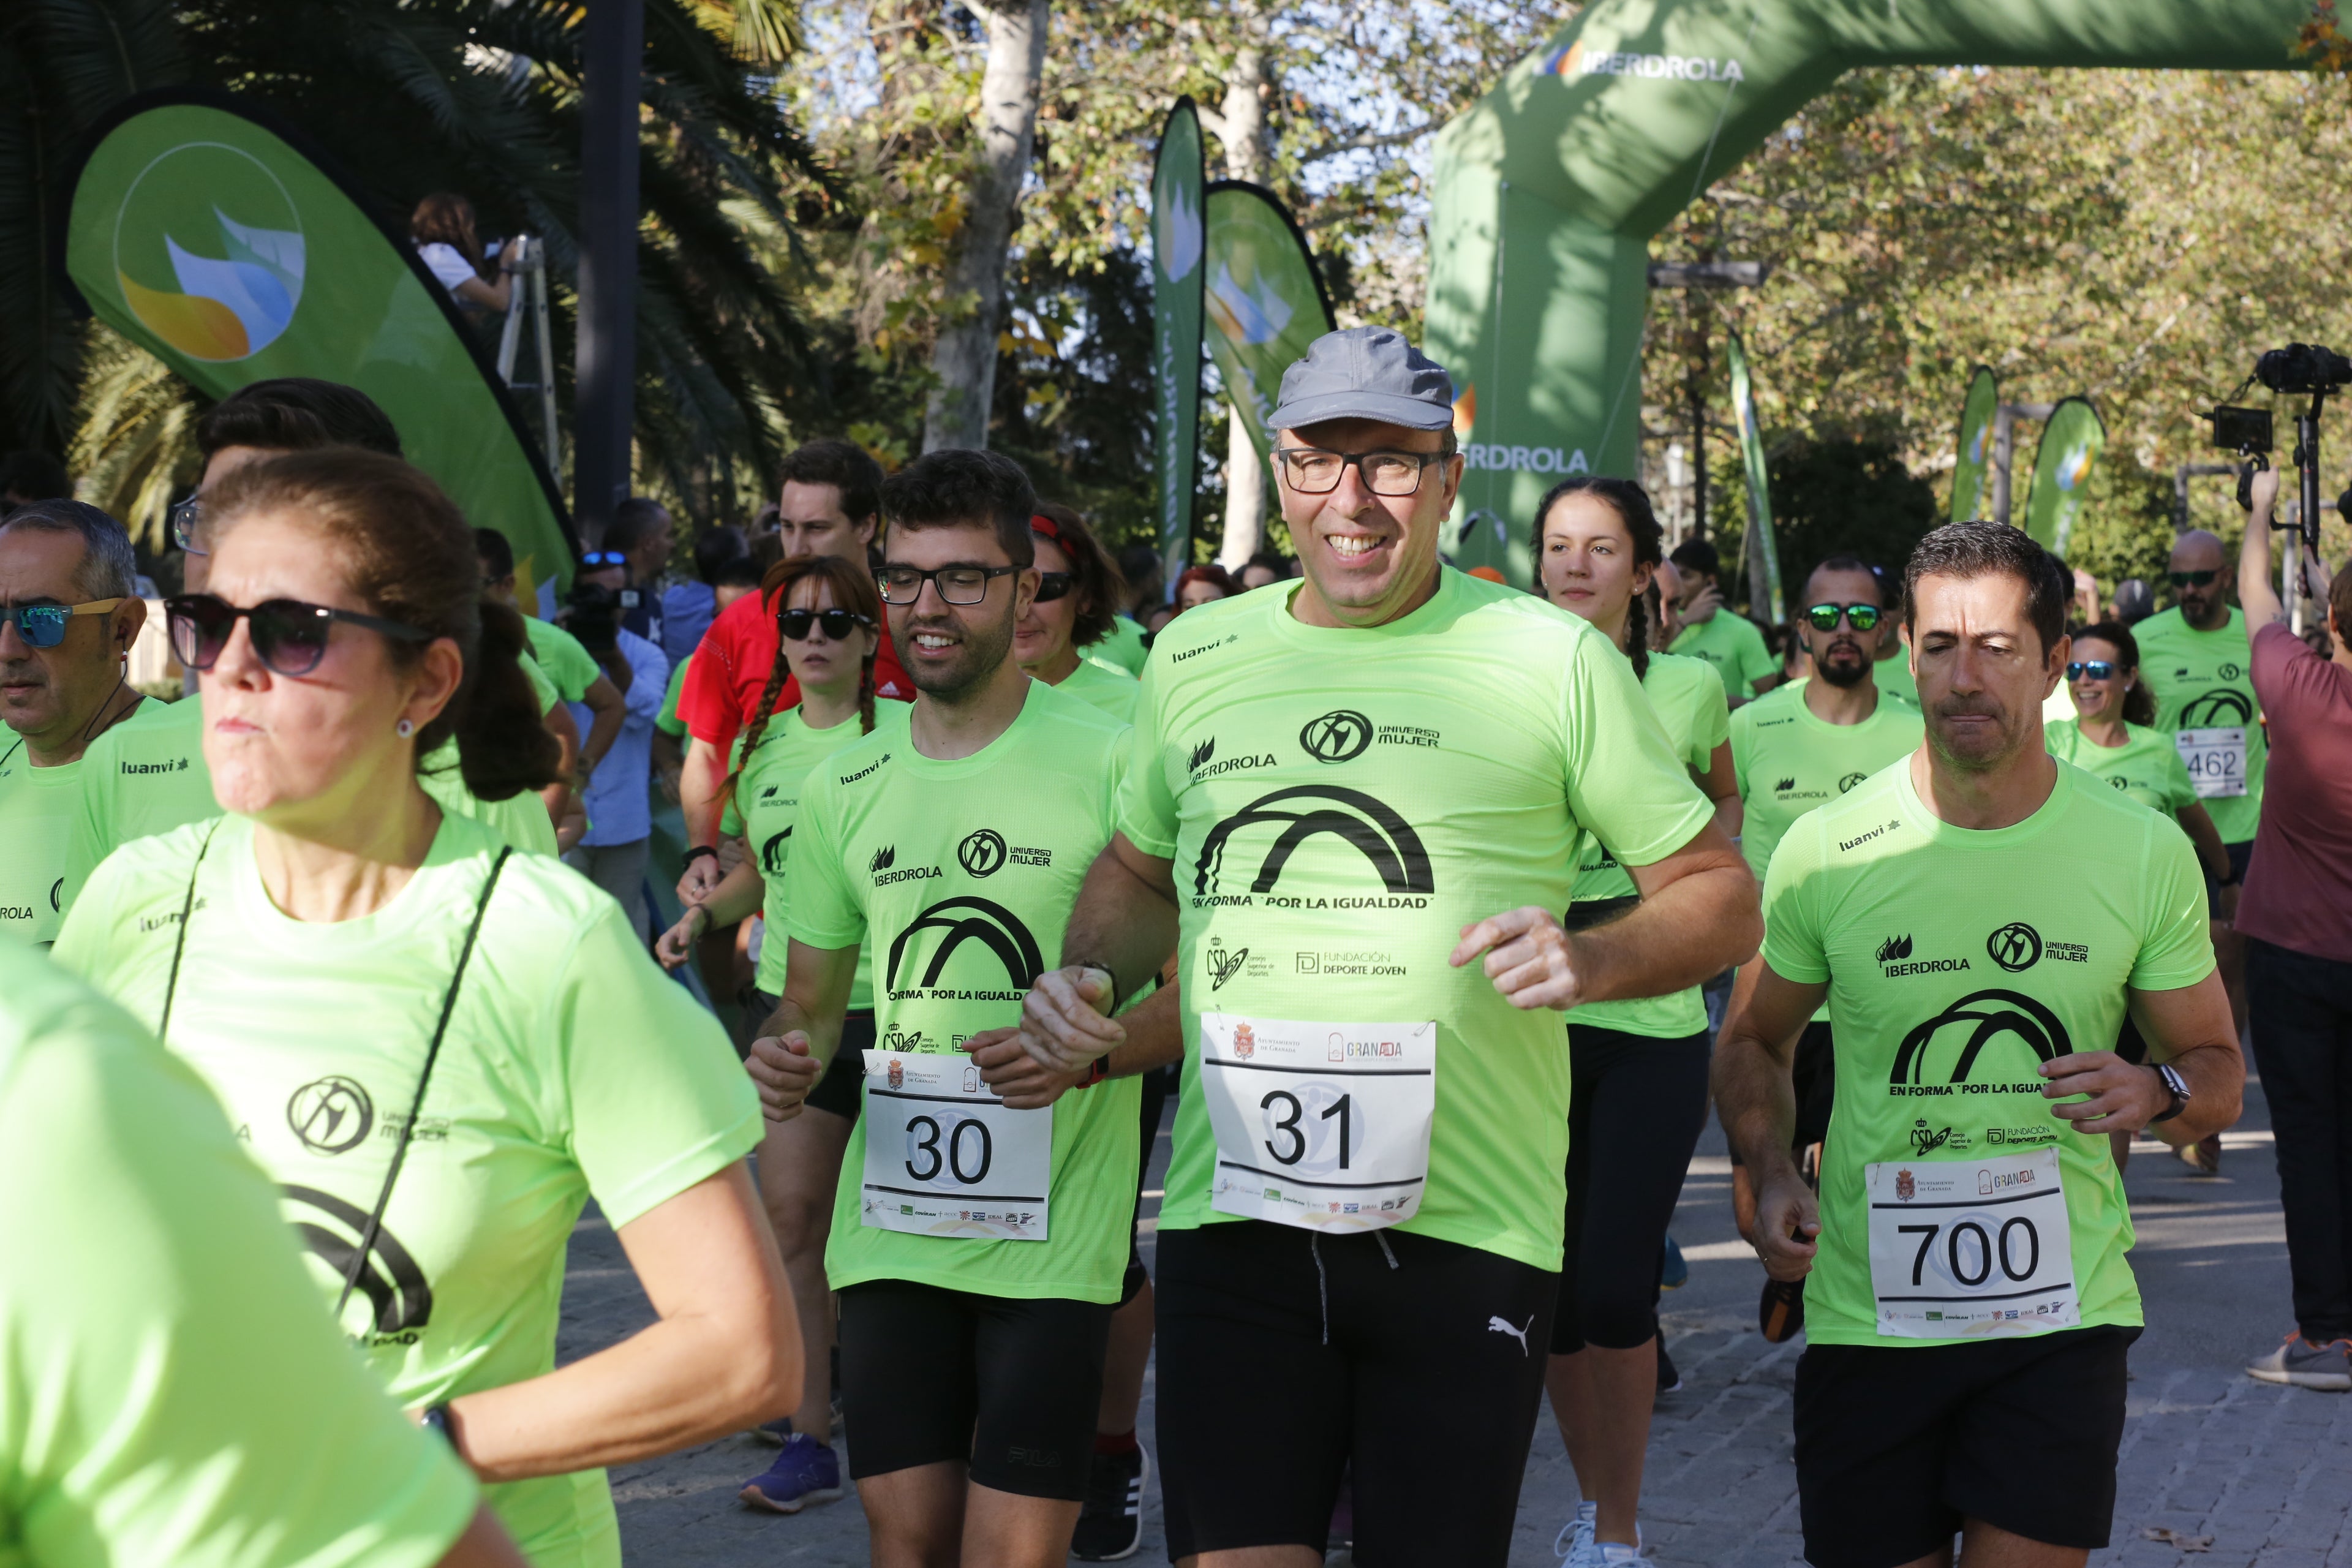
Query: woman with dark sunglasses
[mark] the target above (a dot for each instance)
(439, 1048)
(828, 621)
(1078, 593)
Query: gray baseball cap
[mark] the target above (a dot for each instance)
(1366, 373)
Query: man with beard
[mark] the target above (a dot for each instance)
(977, 1247)
(1791, 753)
(1970, 1307)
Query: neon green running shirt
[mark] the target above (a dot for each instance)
(1111, 690)
(2146, 766)
(569, 667)
(667, 721)
(1732, 644)
(1789, 761)
(1895, 678)
(548, 1090)
(1953, 973)
(1686, 694)
(2205, 682)
(1121, 647)
(36, 807)
(962, 875)
(1340, 804)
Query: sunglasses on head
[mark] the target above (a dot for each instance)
(595, 558)
(44, 626)
(838, 624)
(2191, 579)
(2090, 670)
(289, 634)
(1825, 617)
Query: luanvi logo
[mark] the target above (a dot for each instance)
(389, 1277)
(982, 853)
(1894, 950)
(1224, 965)
(1384, 839)
(772, 853)
(1340, 736)
(330, 1115)
(1991, 1015)
(2015, 946)
(2217, 709)
(965, 919)
(1847, 783)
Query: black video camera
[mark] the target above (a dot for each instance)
(594, 618)
(2301, 368)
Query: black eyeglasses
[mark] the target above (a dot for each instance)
(595, 558)
(2191, 579)
(1314, 472)
(185, 515)
(2090, 670)
(957, 585)
(1825, 617)
(1053, 586)
(290, 636)
(44, 626)
(796, 625)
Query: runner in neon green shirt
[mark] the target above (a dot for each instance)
(35, 816)
(1732, 643)
(172, 1393)
(2109, 737)
(1353, 809)
(1122, 648)
(1071, 620)
(976, 1248)
(1979, 917)
(2199, 667)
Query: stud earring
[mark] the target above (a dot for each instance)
(404, 729)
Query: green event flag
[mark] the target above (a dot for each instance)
(1179, 182)
(201, 231)
(1757, 544)
(1264, 300)
(2071, 443)
(1975, 450)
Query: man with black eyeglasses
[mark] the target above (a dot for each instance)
(2200, 668)
(1795, 750)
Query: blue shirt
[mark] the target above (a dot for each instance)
(687, 610)
(619, 810)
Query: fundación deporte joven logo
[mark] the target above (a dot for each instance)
(208, 251)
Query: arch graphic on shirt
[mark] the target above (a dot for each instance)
(1385, 838)
(391, 1279)
(972, 920)
(2218, 709)
(1994, 1014)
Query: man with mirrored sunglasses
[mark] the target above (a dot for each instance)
(68, 614)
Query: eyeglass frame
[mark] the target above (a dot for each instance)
(933, 578)
(13, 614)
(2204, 579)
(1356, 460)
(380, 625)
(1845, 613)
(2082, 668)
(816, 623)
(184, 516)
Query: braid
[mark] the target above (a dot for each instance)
(759, 725)
(1637, 630)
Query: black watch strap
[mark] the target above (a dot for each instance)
(2174, 1085)
(435, 1419)
(700, 849)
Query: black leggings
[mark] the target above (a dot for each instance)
(1635, 1111)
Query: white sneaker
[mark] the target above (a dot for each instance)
(1573, 1544)
(1617, 1554)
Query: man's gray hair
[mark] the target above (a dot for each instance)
(107, 568)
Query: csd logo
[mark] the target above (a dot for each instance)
(2015, 946)
(330, 1115)
(1340, 736)
(983, 854)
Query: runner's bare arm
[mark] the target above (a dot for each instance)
(1155, 1037)
(484, 1545)
(1756, 1098)
(1720, 783)
(1698, 916)
(1121, 930)
(557, 796)
(724, 1355)
(797, 1042)
(2189, 1028)
(699, 784)
(739, 894)
(2256, 596)
(608, 710)
(2197, 823)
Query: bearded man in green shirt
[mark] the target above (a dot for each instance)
(1970, 1307)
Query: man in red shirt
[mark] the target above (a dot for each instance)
(831, 506)
(2297, 917)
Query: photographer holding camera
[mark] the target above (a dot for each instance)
(2299, 951)
(611, 852)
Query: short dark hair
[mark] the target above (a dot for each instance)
(1140, 564)
(1698, 555)
(634, 521)
(297, 414)
(843, 464)
(1967, 550)
(1100, 590)
(497, 553)
(1843, 563)
(742, 571)
(108, 570)
(2139, 703)
(718, 547)
(35, 476)
(957, 486)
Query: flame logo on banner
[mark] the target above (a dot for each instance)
(237, 282)
(1253, 314)
(1178, 234)
(1465, 411)
(2074, 465)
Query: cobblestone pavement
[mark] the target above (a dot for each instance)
(2266, 1472)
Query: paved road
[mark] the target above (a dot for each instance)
(2266, 1472)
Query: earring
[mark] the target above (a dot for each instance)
(404, 729)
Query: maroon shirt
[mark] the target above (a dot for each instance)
(2299, 885)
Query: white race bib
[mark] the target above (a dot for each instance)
(946, 1157)
(1324, 1126)
(1970, 1248)
(2216, 760)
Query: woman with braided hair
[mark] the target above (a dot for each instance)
(1638, 1100)
(828, 618)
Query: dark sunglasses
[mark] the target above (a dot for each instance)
(2191, 579)
(44, 626)
(1053, 586)
(2090, 670)
(595, 558)
(1863, 618)
(290, 636)
(794, 624)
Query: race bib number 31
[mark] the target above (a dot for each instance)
(2216, 760)
(945, 1157)
(1324, 1126)
(1970, 1248)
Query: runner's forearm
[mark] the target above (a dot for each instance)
(699, 784)
(2211, 852)
(738, 897)
(607, 709)
(2255, 595)
(1752, 1079)
(1125, 919)
(1155, 1034)
(1683, 935)
(817, 982)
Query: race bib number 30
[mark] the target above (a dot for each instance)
(1970, 1248)
(945, 1157)
(1324, 1126)
(2216, 760)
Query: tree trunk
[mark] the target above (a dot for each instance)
(965, 359)
(1241, 127)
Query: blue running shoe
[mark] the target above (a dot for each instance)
(774, 1433)
(1676, 1273)
(807, 1471)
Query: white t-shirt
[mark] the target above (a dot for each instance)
(448, 264)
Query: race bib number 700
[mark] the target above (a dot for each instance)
(1970, 1248)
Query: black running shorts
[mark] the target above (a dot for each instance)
(1010, 1387)
(1898, 1445)
(1154, 1100)
(838, 1090)
(1285, 1355)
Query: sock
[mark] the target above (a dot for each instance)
(1108, 1443)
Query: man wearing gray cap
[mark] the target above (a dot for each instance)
(1351, 809)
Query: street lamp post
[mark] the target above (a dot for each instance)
(1703, 274)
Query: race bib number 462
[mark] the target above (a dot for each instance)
(946, 1157)
(1324, 1126)
(1970, 1248)
(2216, 760)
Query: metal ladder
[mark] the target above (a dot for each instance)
(530, 295)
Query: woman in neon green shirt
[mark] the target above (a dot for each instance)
(1079, 592)
(2114, 736)
(438, 1049)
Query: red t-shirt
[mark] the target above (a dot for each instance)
(732, 664)
(2299, 883)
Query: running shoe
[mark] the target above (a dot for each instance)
(1669, 1379)
(1781, 1311)
(2303, 1364)
(1110, 1520)
(2204, 1157)
(1676, 1273)
(774, 1433)
(807, 1471)
(1576, 1535)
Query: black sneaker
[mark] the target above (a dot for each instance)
(1110, 1521)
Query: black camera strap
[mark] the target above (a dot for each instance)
(374, 1226)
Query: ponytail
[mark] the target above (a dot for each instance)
(503, 745)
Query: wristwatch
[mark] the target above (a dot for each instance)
(2179, 1089)
(436, 1418)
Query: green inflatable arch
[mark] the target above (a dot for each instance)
(1549, 189)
